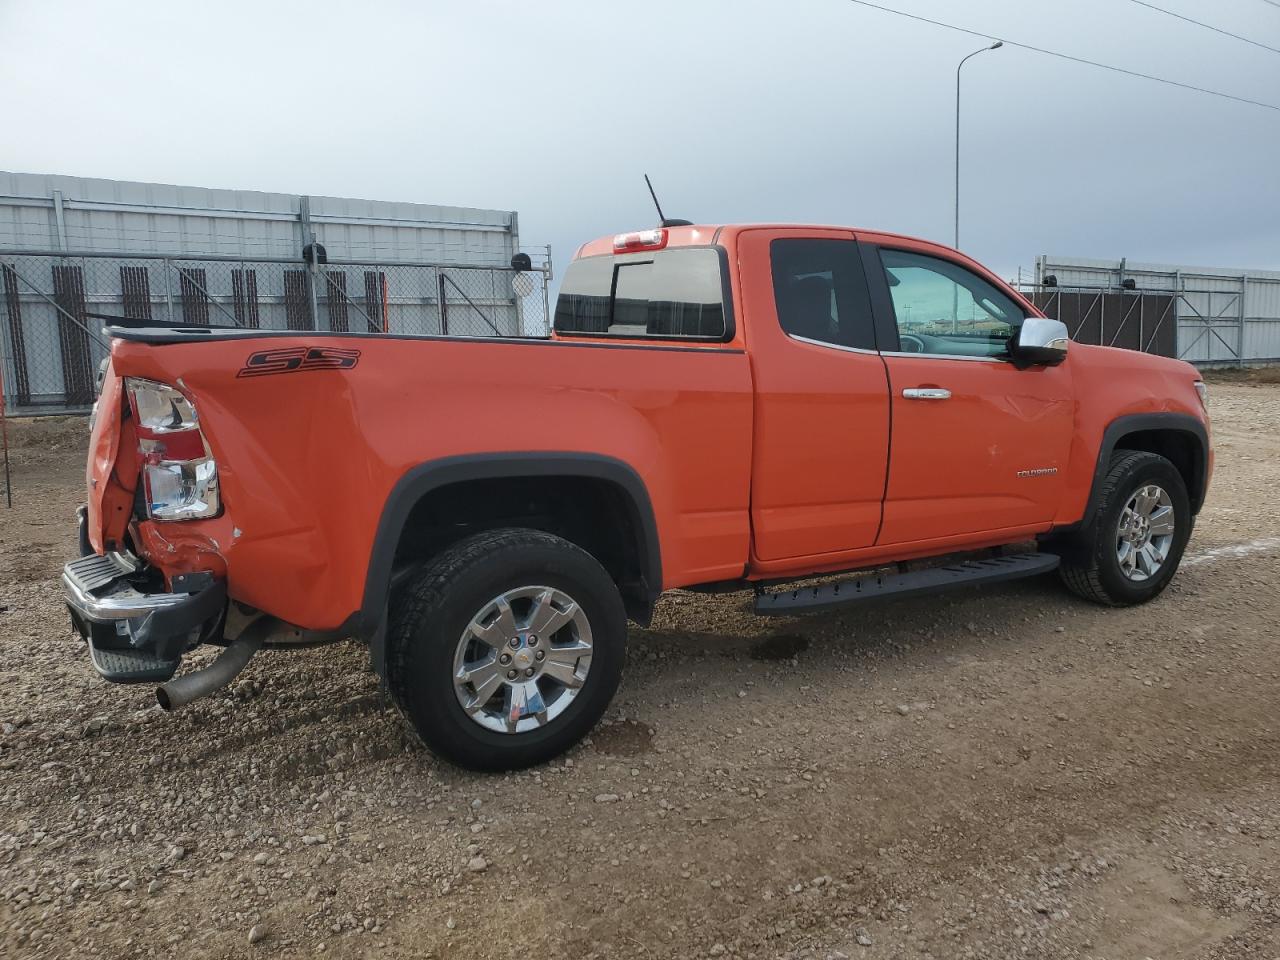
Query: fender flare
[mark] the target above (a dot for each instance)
(426, 477)
(1136, 422)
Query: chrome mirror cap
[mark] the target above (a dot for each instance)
(1041, 341)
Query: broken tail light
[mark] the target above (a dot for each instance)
(179, 473)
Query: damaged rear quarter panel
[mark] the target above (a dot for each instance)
(111, 473)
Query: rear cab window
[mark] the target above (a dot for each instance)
(820, 291)
(678, 293)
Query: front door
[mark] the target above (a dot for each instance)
(979, 446)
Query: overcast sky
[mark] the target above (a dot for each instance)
(804, 110)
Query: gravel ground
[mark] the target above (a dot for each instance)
(1007, 772)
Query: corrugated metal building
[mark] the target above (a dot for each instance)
(40, 212)
(75, 250)
(1223, 316)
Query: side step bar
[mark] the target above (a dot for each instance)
(826, 596)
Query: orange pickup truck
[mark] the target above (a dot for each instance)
(717, 407)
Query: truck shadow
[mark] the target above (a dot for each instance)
(961, 618)
(332, 731)
(706, 630)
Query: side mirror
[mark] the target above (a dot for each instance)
(1041, 342)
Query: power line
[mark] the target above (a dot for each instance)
(1207, 26)
(1067, 56)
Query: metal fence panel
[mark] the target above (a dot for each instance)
(1134, 321)
(1262, 298)
(1223, 315)
(1261, 337)
(53, 307)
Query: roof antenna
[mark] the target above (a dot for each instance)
(662, 220)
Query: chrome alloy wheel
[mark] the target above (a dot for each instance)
(1145, 534)
(522, 659)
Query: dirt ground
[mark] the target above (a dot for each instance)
(1000, 773)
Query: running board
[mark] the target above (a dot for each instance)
(825, 596)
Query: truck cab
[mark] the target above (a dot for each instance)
(898, 410)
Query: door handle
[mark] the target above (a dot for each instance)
(926, 393)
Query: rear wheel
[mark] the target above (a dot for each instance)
(506, 649)
(1131, 548)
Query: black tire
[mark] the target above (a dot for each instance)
(1090, 567)
(428, 618)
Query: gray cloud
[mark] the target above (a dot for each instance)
(810, 110)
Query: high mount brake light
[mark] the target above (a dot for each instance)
(640, 240)
(179, 473)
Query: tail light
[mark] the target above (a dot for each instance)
(640, 240)
(179, 474)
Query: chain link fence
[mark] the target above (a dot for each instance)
(53, 307)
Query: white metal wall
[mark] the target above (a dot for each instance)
(440, 269)
(1224, 315)
(45, 212)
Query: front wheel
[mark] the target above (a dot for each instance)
(1131, 547)
(506, 649)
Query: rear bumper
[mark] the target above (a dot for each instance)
(97, 588)
(137, 635)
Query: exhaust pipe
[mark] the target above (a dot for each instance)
(180, 691)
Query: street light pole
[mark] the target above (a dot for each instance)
(995, 46)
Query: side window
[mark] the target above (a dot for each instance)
(821, 291)
(668, 294)
(943, 309)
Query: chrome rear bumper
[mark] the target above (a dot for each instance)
(137, 636)
(97, 589)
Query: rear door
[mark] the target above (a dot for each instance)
(979, 446)
(821, 395)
